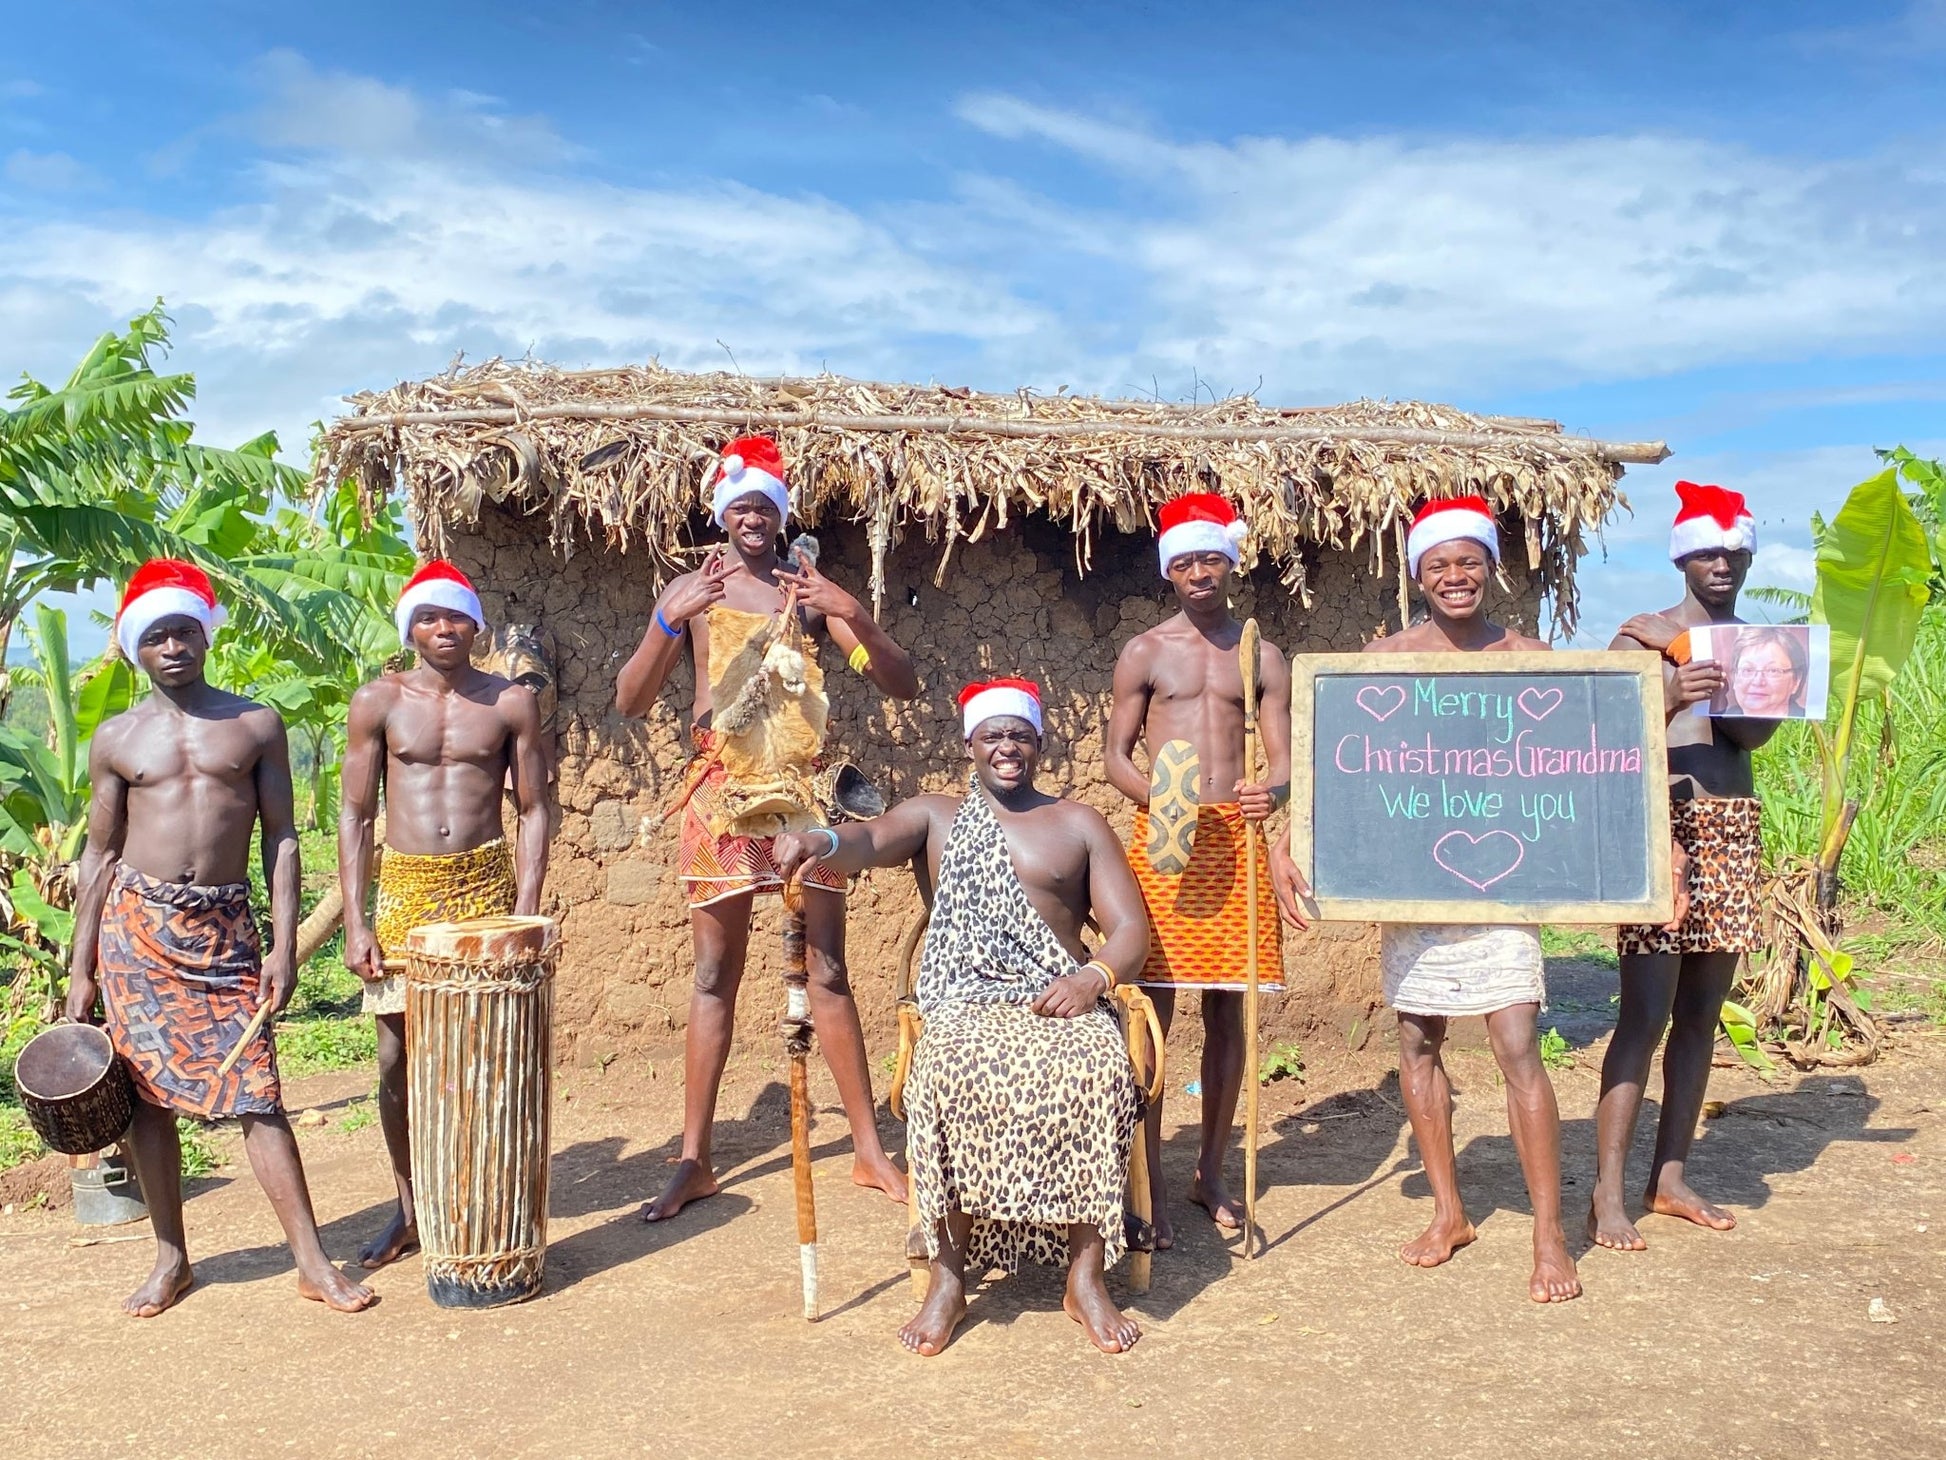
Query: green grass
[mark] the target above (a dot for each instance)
(1286, 1062)
(199, 1157)
(1907, 994)
(18, 1143)
(1587, 945)
(312, 1046)
(1555, 1053)
(358, 1115)
(1895, 862)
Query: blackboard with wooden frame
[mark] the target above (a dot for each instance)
(1481, 788)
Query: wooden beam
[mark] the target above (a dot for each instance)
(1646, 453)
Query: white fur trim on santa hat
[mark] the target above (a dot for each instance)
(437, 593)
(1198, 536)
(1700, 534)
(1449, 525)
(151, 608)
(1000, 699)
(738, 480)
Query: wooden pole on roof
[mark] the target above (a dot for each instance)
(1643, 453)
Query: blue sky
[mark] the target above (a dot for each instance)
(1722, 225)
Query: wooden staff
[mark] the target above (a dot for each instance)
(796, 1029)
(1247, 662)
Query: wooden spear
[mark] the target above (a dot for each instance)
(797, 1031)
(1247, 662)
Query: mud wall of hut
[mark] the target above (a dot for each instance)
(1011, 604)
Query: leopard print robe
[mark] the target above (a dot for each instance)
(1021, 1121)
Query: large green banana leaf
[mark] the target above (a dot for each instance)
(1873, 565)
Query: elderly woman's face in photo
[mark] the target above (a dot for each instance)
(1765, 683)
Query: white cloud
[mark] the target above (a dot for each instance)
(1487, 263)
(20, 90)
(337, 112)
(47, 172)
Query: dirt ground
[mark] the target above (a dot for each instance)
(686, 1340)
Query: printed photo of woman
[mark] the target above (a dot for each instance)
(1768, 671)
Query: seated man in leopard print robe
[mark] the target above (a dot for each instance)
(1021, 1103)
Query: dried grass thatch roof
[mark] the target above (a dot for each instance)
(620, 456)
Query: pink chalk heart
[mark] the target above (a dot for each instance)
(1538, 704)
(1374, 695)
(1473, 859)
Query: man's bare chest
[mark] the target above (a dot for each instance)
(448, 732)
(225, 756)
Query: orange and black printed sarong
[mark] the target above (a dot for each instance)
(1199, 921)
(178, 966)
(715, 867)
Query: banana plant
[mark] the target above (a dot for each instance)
(1874, 569)
(44, 800)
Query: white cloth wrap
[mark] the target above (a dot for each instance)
(1454, 969)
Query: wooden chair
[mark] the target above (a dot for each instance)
(1141, 1028)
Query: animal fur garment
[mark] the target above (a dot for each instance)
(770, 723)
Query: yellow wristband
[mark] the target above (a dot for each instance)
(860, 660)
(1107, 973)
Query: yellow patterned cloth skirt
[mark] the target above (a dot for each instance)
(414, 890)
(1199, 922)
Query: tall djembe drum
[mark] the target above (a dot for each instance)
(479, 1014)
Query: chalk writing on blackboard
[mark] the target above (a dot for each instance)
(1493, 781)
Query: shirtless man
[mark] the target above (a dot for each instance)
(724, 874)
(162, 924)
(1180, 681)
(1020, 1105)
(1676, 978)
(1433, 973)
(442, 738)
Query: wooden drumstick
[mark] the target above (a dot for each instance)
(1247, 662)
(797, 1032)
(249, 1033)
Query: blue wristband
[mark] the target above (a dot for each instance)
(828, 831)
(663, 624)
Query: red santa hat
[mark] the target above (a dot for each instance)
(1447, 519)
(165, 588)
(1710, 517)
(1020, 698)
(752, 464)
(1201, 522)
(437, 585)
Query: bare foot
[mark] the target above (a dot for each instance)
(1609, 1226)
(1441, 1239)
(1223, 1209)
(1675, 1199)
(1108, 1328)
(932, 1327)
(1554, 1279)
(162, 1290)
(333, 1289)
(1165, 1230)
(691, 1181)
(398, 1238)
(879, 1175)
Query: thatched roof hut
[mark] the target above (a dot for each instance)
(616, 457)
(1008, 533)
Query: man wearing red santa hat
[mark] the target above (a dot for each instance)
(1020, 1105)
(163, 929)
(759, 722)
(442, 739)
(1434, 973)
(1179, 690)
(1676, 978)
